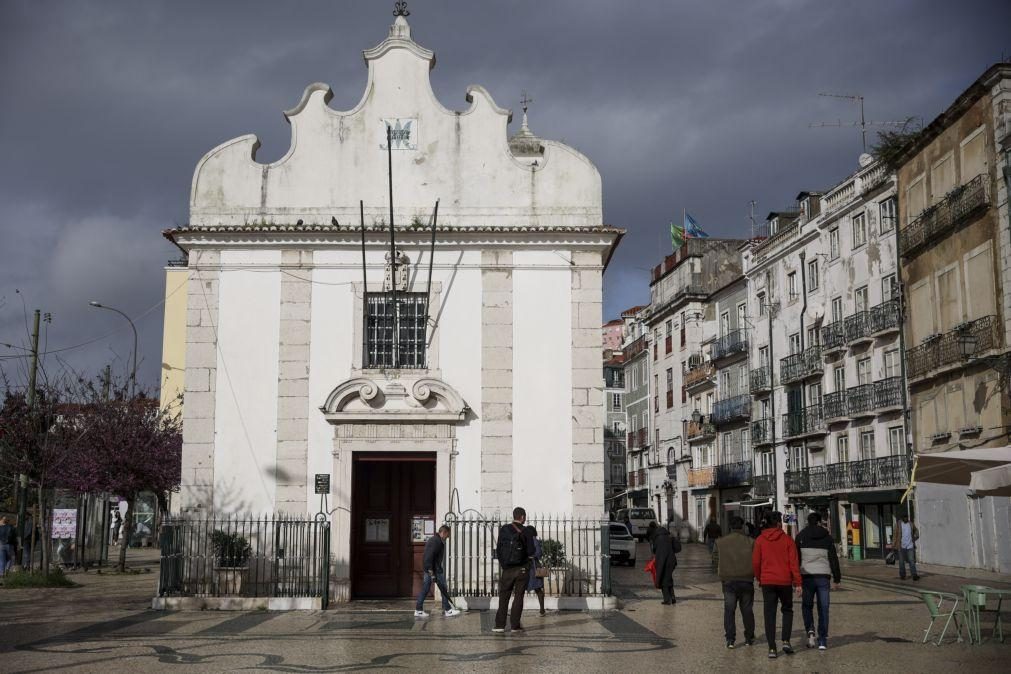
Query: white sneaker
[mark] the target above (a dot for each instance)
(420, 614)
(452, 612)
(811, 640)
(498, 629)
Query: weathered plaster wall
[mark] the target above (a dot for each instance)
(963, 532)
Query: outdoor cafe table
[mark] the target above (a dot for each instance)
(985, 593)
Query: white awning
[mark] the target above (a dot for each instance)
(756, 504)
(987, 471)
(992, 481)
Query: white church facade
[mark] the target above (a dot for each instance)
(463, 372)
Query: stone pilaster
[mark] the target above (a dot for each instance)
(293, 382)
(197, 481)
(587, 386)
(496, 382)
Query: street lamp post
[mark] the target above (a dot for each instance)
(133, 373)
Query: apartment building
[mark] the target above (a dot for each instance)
(827, 380)
(614, 427)
(680, 290)
(637, 410)
(953, 240)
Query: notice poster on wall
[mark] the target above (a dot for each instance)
(377, 530)
(64, 523)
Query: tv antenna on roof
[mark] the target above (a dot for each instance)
(863, 123)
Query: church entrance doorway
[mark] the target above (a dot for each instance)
(392, 513)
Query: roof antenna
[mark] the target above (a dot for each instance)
(863, 123)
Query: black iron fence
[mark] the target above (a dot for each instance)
(944, 350)
(760, 380)
(887, 471)
(729, 344)
(885, 316)
(947, 215)
(272, 556)
(732, 409)
(577, 555)
(860, 399)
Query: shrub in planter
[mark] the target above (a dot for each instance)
(552, 553)
(230, 549)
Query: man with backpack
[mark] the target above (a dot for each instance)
(514, 550)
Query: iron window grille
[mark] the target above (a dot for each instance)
(396, 332)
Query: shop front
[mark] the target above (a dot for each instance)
(870, 520)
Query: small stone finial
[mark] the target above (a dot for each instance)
(525, 104)
(400, 8)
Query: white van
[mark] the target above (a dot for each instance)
(636, 519)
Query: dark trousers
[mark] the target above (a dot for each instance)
(815, 589)
(512, 584)
(439, 578)
(773, 595)
(668, 591)
(907, 556)
(738, 593)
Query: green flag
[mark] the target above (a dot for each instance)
(677, 236)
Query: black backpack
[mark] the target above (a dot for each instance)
(513, 550)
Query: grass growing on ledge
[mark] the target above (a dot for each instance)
(25, 579)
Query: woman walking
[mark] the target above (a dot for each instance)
(665, 557)
(536, 582)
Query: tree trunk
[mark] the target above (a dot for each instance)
(43, 523)
(127, 532)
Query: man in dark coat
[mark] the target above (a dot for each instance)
(513, 550)
(433, 564)
(665, 560)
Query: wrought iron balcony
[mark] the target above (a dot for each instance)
(763, 485)
(634, 348)
(761, 431)
(942, 350)
(887, 471)
(729, 344)
(700, 431)
(732, 409)
(698, 376)
(833, 337)
(886, 317)
(858, 327)
(946, 216)
(760, 380)
(797, 482)
(701, 477)
(835, 405)
(734, 474)
(807, 421)
(888, 393)
(637, 479)
(799, 366)
(860, 400)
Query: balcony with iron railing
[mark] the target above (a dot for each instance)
(760, 380)
(702, 430)
(807, 421)
(729, 410)
(638, 439)
(730, 344)
(800, 366)
(886, 318)
(946, 216)
(882, 472)
(833, 337)
(701, 477)
(834, 405)
(763, 485)
(700, 376)
(858, 327)
(942, 351)
(888, 394)
(734, 474)
(637, 479)
(786, 231)
(761, 431)
(634, 348)
(860, 401)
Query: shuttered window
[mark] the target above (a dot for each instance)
(949, 297)
(915, 199)
(942, 178)
(973, 156)
(921, 310)
(979, 282)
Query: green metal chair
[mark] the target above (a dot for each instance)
(935, 602)
(975, 609)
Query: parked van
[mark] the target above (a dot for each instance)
(636, 519)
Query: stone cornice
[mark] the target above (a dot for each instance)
(394, 400)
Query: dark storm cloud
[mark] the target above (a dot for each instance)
(107, 106)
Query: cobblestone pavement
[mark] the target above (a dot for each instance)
(104, 625)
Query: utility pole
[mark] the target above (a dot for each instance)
(33, 372)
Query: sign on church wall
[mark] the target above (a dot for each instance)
(404, 132)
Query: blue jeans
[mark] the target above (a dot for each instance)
(907, 555)
(816, 588)
(6, 557)
(426, 586)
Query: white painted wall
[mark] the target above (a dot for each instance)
(246, 388)
(542, 382)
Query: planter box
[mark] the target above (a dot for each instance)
(230, 579)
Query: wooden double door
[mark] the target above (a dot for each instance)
(390, 494)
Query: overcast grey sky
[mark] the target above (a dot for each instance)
(107, 106)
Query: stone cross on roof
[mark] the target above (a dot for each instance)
(400, 8)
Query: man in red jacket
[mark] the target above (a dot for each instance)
(776, 567)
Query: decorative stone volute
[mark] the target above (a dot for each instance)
(423, 399)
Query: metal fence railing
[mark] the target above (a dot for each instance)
(580, 566)
(271, 556)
